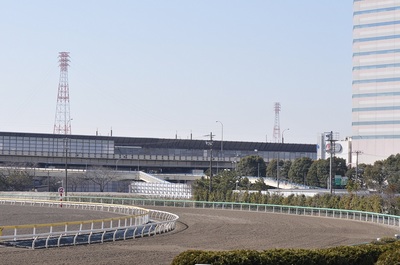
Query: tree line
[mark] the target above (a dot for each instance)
(229, 187)
(382, 176)
(16, 177)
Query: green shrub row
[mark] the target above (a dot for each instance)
(368, 203)
(369, 254)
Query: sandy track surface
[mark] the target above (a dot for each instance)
(197, 229)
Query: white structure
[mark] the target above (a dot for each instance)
(376, 79)
(342, 148)
(164, 190)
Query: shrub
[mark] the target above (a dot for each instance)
(384, 240)
(345, 255)
(391, 257)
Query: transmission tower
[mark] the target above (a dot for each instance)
(277, 128)
(62, 123)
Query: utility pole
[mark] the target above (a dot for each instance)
(66, 166)
(210, 143)
(357, 153)
(277, 170)
(331, 139)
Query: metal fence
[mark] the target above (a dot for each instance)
(134, 222)
(377, 218)
(360, 216)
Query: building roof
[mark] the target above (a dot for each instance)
(140, 142)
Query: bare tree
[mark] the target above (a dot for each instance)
(3, 179)
(15, 177)
(101, 176)
(53, 183)
(78, 181)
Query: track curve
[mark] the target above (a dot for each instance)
(197, 229)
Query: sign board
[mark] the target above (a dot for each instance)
(341, 181)
(61, 191)
(338, 180)
(344, 181)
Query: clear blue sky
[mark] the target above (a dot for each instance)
(157, 68)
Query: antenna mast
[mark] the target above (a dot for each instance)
(277, 129)
(62, 123)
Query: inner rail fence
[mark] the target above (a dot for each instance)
(360, 216)
(134, 222)
(369, 217)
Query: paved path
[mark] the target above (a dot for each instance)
(197, 229)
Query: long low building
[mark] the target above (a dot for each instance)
(154, 155)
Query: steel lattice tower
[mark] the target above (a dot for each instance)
(62, 123)
(277, 128)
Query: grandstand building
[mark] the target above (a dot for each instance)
(69, 159)
(131, 154)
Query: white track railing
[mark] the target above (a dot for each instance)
(135, 222)
(370, 217)
(360, 216)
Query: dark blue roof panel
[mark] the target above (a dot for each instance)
(181, 144)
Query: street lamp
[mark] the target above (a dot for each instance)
(116, 164)
(222, 137)
(283, 133)
(210, 143)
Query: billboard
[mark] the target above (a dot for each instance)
(340, 149)
(336, 148)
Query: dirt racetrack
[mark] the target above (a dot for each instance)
(197, 229)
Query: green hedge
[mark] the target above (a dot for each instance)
(391, 257)
(344, 255)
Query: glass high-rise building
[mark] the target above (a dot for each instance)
(376, 79)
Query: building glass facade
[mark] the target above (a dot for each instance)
(376, 79)
(85, 151)
(30, 145)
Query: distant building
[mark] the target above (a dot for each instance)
(376, 79)
(152, 155)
